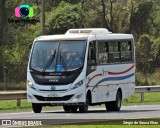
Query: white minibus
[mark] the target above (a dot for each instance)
(81, 68)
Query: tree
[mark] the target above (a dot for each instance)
(156, 52)
(155, 21)
(145, 57)
(140, 19)
(2, 19)
(64, 17)
(97, 13)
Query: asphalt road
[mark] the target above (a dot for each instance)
(98, 112)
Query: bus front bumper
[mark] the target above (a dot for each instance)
(55, 97)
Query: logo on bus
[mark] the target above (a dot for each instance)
(53, 88)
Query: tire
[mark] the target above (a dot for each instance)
(66, 108)
(73, 108)
(84, 108)
(37, 108)
(115, 105)
(109, 106)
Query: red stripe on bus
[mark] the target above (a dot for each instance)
(93, 78)
(118, 73)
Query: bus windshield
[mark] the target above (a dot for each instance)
(57, 56)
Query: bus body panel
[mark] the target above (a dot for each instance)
(103, 82)
(104, 86)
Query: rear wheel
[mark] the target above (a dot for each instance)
(84, 107)
(37, 108)
(115, 105)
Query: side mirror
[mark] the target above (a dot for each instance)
(30, 46)
(93, 54)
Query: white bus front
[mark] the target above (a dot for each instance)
(55, 74)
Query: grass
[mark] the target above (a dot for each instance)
(11, 105)
(105, 126)
(7, 105)
(149, 98)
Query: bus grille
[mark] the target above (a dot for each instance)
(40, 98)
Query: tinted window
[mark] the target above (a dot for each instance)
(92, 60)
(115, 51)
(103, 52)
(126, 51)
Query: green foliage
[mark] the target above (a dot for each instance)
(141, 18)
(18, 46)
(156, 52)
(64, 17)
(144, 55)
(139, 79)
(121, 16)
(152, 79)
(136, 17)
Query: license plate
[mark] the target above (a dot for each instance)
(52, 95)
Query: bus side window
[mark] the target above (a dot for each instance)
(103, 52)
(92, 54)
(126, 51)
(114, 52)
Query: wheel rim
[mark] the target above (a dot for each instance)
(118, 101)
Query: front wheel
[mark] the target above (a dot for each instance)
(66, 108)
(84, 108)
(37, 108)
(114, 105)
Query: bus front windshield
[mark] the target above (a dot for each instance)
(57, 56)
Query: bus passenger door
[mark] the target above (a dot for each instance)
(102, 68)
(91, 71)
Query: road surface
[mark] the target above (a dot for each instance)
(97, 113)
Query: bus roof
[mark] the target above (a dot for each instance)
(84, 34)
(62, 37)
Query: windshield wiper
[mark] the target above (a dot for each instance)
(63, 62)
(49, 62)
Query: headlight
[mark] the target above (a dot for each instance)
(29, 84)
(80, 83)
